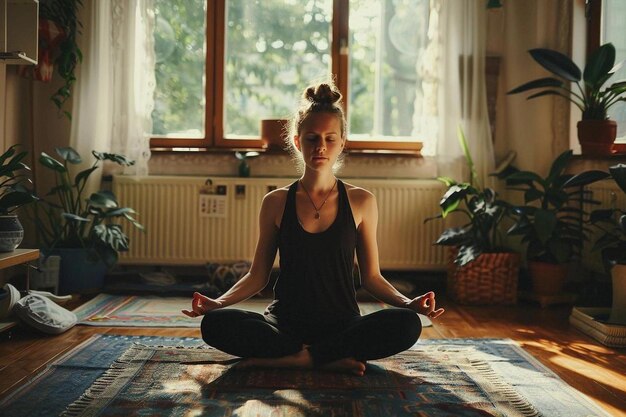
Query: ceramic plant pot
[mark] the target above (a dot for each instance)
(11, 233)
(80, 273)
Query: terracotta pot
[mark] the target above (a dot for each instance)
(547, 278)
(273, 132)
(618, 308)
(596, 137)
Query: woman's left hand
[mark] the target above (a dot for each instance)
(425, 304)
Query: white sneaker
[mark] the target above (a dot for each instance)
(9, 300)
(59, 299)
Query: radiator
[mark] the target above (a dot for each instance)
(185, 226)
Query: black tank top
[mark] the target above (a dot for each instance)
(316, 282)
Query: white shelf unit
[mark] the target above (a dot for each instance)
(19, 32)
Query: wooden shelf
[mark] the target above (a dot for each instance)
(18, 257)
(9, 259)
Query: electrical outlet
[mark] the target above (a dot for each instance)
(212, 205)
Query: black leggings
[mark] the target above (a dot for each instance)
(251, 335)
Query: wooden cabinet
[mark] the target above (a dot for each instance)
(19, 31)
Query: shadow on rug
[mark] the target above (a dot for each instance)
(454, 377)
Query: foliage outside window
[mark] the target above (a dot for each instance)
(613, 18)
(223, 65)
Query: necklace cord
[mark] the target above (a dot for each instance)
(317, 210)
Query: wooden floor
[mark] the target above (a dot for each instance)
(594, 369)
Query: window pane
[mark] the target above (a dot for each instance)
(387, 38)
(274, 48)
(179, 40)
(614, 16)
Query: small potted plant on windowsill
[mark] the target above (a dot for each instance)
(481, 269)
(596, 132)
(83, 231)
(13, 194)
(611, 241)
(550, 221)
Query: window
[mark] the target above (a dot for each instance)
(606, 24)
(223, 65)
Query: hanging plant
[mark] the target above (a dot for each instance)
(58, 29)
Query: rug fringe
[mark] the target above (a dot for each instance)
(104, 382)
(513, 398)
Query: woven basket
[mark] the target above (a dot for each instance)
(489, 279)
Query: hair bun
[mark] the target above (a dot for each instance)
(322, 94)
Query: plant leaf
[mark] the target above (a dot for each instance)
(453, 236)
(82, 176)
(117, 158)
(538, 83)
(559, 164)
(556, 63)
(49, 162)
(69, 154)
(599, 64)
(467, 253)
(103, 199)
(585, 178)
(74, 217)
(618, 172)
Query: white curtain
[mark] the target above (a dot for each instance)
(114, 92)
(457, 36)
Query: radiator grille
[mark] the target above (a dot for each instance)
(176, 234)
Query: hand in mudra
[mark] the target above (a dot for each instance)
(425, 304)
(200, 304)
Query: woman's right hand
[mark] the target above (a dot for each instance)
(201, 304)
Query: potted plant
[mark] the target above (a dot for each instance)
(550, 221)
(13, 194)
(611, 241)
(481, 270)
(596, 132)
(81, 229)
(67, 55)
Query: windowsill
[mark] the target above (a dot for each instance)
(270, 151)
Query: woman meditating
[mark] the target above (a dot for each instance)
(317, 224)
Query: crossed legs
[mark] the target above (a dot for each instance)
(340, 347)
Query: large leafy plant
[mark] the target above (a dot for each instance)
(588, 95)
(13, 176)
(70, 220)
(550, 220)
(482, 208)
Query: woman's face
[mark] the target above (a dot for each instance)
(319, 140)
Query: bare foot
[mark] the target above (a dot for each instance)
(300, 360)
(303, 360)
(348, 365)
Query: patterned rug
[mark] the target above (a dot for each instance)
(155, 311)
(451, 377)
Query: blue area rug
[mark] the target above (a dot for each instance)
(125, 376)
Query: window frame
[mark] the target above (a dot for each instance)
(214, 89)
(593, 14)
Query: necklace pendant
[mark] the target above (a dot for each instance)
(317, 215)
